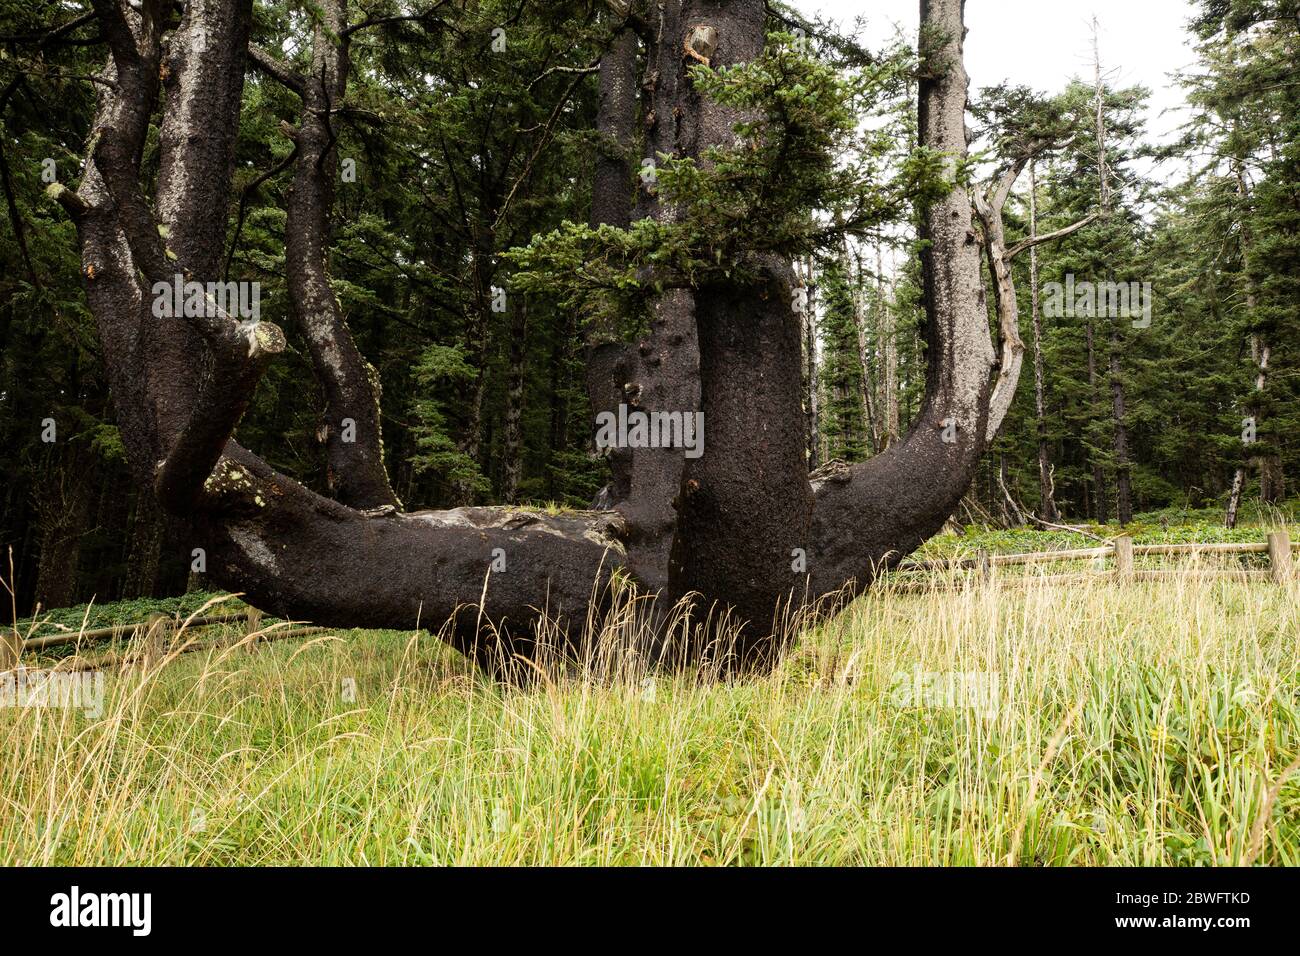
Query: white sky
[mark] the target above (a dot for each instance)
(1043, 43)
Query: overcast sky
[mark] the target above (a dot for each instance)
(1043, 43)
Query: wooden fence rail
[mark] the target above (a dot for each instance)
(124, 630)
(1278, 547)
(155, 637)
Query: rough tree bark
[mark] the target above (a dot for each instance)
(878, 511)
(351, 428)
(721, 528)
(145, 549)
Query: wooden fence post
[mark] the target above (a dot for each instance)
(1279, 555)
(1124, 557)
(985, 566)
(156, 638)
(252, 627)
(11, 648)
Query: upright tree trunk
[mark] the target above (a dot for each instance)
(147, 525)
(1120, 438)
(478, 341)
(889, 376)
(874, 513)
(861, 326)
(1269, 466)
(351, 427)
(811, 368)
(561, 361)
(1100, 491)
(513, 445)
(613, 197)
(1047, 509)
(62, 507)
(1123, 490)
(1234, 497)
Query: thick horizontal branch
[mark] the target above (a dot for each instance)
(486, 580)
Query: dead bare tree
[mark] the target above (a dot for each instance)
(989, 206)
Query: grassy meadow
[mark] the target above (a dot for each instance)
(1011, 722)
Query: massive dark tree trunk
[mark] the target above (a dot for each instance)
(62, 508)
(145, 548)
(741, 527)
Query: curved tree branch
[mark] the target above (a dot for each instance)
(989, 208)
(351, 428)
(181, 478)
(873, 514)
(1005, 306)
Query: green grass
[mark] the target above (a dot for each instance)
(1147, 724)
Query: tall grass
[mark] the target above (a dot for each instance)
(974, 724)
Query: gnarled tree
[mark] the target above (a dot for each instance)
(720, 529)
